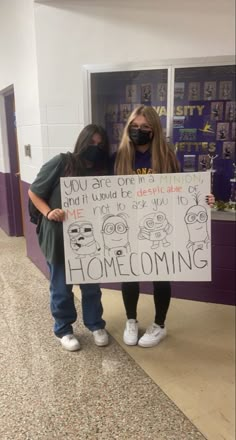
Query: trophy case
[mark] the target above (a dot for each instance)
(115, 94)
(197, 109)
(204, 123)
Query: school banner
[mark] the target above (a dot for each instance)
(137, 228)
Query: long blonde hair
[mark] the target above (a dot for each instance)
(163, 158)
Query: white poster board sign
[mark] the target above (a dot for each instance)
(137, 228)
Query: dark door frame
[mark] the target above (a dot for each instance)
(14, 193)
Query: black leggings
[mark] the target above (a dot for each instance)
(161, 294)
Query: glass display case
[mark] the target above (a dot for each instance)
(196, 106)
(116, 94)
(204, 127)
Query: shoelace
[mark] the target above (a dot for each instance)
(151, 329)
(132, 327)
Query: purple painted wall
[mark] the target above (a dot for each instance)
(221, 290)
(32, 246)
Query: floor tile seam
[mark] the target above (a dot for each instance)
(145, 374)
(160, 388)
(43, 404)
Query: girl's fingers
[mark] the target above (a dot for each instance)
(57, 215)
(210, 199)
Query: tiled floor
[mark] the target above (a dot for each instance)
(107, 393)
(194, 365)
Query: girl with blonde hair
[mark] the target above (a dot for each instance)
(144, 149)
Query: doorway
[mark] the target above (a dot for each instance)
(15, 200)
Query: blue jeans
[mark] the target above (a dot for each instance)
(63, 307)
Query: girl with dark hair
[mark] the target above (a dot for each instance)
(90, 157)
(143, 149)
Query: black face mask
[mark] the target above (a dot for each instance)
(139, 136)
(94, 153)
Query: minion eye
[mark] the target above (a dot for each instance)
(120, 228)
(149, 224)
(160, 218)
(190, 218)
(109, 228)
(86, 230)
(203, 216)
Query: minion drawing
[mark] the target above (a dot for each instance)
(196, 221)
(155, 227)
(82, 240)
(115, 232)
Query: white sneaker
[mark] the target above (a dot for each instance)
(70, 342)
(153, 335)
(130, 336)
(100, 337)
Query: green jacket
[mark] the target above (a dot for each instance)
(47, 186)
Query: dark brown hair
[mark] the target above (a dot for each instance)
(75, 164)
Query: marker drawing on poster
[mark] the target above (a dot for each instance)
(137, 228)
(155, 227)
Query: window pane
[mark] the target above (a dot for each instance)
(116, 94)
(204, 122)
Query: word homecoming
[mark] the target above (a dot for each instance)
(162, 265)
